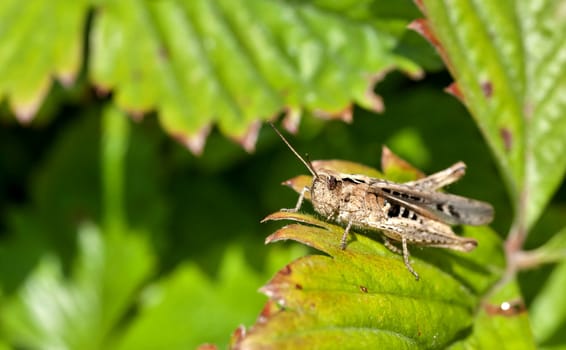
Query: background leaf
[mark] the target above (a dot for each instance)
(190, 309)
(548, 311)
(508, 61)
(30, 57)
(501, 322)
(197, 62)
(233, 62)
(198, 218)
(51, 311)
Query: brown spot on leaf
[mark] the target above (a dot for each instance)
(487, 88)
(363, 289)
(286, 270)
(507, 308)
(507, 137)
(528, 110)
(207, 347)
(163, 53)
(298, 286)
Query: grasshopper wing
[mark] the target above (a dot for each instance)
(444, 207)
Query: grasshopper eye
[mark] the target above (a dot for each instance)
(332, 183)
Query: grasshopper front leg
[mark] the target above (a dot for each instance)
(299, 201)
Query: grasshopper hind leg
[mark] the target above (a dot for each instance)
(406, 259)
(404, 252)
(389, 245)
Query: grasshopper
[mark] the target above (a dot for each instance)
(408, 213)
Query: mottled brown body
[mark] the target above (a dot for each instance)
(409, 213)
(367, 203)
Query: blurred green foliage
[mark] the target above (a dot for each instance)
(113, 235)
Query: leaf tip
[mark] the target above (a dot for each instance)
(375, 101)
(271, 238)
(25, 114)
(345, 114)
(237, 337)
(136, 114)
(454, 90)
(25, 111)
(390, 162)
(67, 79)
(248, 141)
(292, 119)
(196, 142)
(279, 235)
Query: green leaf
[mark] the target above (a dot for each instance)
(198, 62)
(189, 308)
(364, 296)
(236, 62)
(79, 312)
(548, 309)
(501, 323)
(508, 59)
(40, 40)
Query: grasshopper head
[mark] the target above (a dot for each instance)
(326, 192)
(326, 185)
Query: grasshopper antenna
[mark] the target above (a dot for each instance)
(307, 164)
